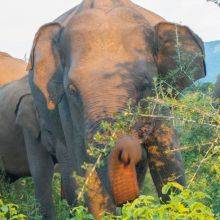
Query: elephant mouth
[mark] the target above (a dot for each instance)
(122, 171)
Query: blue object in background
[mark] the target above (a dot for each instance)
(212, 50)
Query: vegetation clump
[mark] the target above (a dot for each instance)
(196, 118)
(10, 211)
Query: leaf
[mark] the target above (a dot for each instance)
(171, 185)
(5, 208)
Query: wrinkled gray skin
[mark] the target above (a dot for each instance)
(13, 158)
(85, 67)
(18, 113)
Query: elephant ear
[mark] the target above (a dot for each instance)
(45, 63)
(180, 55)
(26, 115)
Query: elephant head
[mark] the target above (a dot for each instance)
(88, 67)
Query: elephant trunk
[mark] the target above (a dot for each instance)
(101, 106)
(122, 169)
(122, 175)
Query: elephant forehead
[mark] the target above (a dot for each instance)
(110, 43)
(96, 30)
(115, 77)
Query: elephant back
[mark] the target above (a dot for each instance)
(11, 68)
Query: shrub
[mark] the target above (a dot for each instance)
(185, 205)
(10, 211)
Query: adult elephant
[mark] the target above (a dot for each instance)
(13, 156)
(11, 68)
(84, 67)
(17, 111)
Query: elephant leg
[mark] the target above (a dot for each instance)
(164, 158)
(42, 168)
(141, 168)
(68, 183)
(97, 198)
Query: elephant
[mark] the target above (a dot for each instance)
(17, 106)
(83, 69)
(13, 156)
(17, 111)
(11, 68)
(12, 147)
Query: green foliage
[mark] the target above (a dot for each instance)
(185, 205)
(80, 213)
(22, 194)
(196, 118)
(10, 211)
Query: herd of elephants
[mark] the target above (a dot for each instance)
(84, 67)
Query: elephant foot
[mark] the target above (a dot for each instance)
(122, 170)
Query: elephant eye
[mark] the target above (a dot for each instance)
(72, 89)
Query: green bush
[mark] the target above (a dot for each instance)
(186, 205)
(196, 118)
(10, 211)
